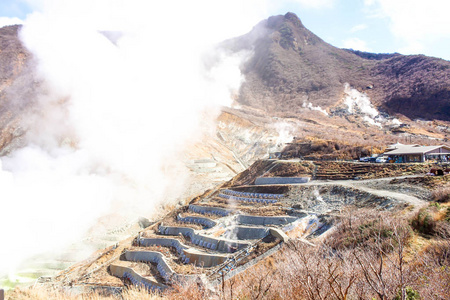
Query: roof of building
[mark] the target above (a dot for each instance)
(399, 145)
(413, 149)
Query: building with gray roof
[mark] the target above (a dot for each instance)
(416, 153)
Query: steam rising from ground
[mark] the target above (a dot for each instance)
(310, 106)
(360, 103)
(123, 88)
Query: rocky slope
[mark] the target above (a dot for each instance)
(17, 87)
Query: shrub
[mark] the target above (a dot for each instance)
(441, 194)
(411, 294)
(437, 253)
(433, 220)
(436, 204)
(367, 228)
(432, 270)
(423, 222)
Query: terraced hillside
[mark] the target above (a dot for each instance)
(326, 170)
(229, 228)
(343, 170)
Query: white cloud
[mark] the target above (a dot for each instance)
(416, 23)
(356, 44)
(358, 27)
(316, 4)
(5, 21)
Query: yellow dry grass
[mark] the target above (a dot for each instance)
(132, 293)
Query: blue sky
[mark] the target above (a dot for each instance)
(382, 26)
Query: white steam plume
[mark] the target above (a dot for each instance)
(310, 106)
(124, 89)
(358, 102)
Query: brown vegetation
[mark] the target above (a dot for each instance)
(441, 194)
(45, 294)
(369, 256)
(328, 149)
(433, 220)
(291, 169)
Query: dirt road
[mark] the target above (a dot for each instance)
(363, 186)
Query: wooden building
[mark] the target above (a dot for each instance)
(415, 153)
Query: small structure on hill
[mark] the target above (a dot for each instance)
(401, 153)
(275, 151)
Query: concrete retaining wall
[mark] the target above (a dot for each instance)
(264, 221)
(252, 195)
(164, 242)
(221, 245)
(204, 259)
(169, 230)
(280, 180)
(278, 233)
(210, 210)
(187, 256)
(205, 222)
(244, 267)
(151, 257)
(135, 278)
(244, 199)
(246, 233)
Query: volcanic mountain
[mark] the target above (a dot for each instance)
(292, 75)
(292, 66)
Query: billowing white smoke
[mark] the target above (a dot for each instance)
(115, 113)
(311, 107)
(360, 103)
(285, 132)
(396, 122)
(357, 100)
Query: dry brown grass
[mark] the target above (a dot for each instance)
(441, 194)
(132, 293)
(349, 266)
(433, 220)
(291, 169)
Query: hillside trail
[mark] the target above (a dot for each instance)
(362, 186)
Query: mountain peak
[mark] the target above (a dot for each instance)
(293, 19)
(292, 67)
(275, 22)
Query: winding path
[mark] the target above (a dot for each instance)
(361, 185)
